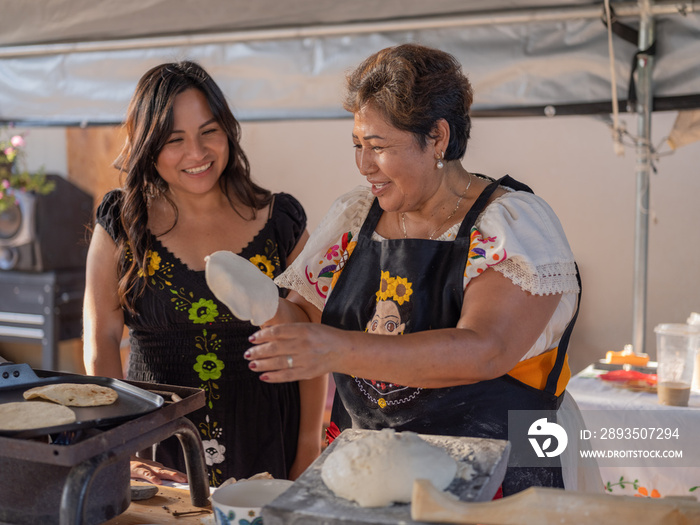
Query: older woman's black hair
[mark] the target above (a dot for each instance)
(148, 125)
(413, 87)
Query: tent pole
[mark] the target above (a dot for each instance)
(472, 19)
(643, 150)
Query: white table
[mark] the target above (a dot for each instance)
(606, 406)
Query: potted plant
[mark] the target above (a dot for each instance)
(14, 177)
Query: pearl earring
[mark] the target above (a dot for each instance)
(440, 164)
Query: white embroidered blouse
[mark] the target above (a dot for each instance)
(517, 234)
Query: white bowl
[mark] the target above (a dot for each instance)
(240, 503)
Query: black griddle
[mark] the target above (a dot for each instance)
(132, 402)
(82, 477)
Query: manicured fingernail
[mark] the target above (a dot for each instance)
(247, 354)
(252, 365)
(264, 377)
(251, 338)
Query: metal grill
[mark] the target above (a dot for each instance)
(88, 478)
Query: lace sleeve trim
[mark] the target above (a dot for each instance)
(292, 281)
(546, 279)
(519, 236)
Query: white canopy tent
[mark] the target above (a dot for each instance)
(76, 62)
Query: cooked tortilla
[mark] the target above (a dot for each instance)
(26, 415)
(74, 394)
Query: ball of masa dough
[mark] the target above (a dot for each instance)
(379, 469)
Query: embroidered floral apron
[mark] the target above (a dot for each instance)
(412, 285)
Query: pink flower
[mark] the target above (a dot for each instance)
(9, 151)
(17, 141)
(5, 183)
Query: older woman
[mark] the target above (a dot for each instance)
(476, 275)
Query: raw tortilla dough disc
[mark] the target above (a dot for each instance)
(24, 415)
(74, 394)
(242, 287)
(380, 468)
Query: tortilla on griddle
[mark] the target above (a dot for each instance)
(26, 415)
(74, 394)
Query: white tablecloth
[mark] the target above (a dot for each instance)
(596, 398)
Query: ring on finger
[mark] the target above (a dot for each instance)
(290, 361)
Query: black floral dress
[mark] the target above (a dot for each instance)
(184, 336)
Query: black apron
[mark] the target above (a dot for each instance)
(427, 289)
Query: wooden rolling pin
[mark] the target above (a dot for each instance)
(547, 506)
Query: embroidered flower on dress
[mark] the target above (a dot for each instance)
(208, 366)
(484, 252)
(264, 264)
(323, 274)
(203, 311)
(153, 263)
(214, 452)
(333, 252)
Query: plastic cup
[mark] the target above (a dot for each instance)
(694, 319)
(676, 348)
(240, 503)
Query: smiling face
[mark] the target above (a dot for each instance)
(401, 173)
(197, 150)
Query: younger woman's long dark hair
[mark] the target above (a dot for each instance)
(148, 125)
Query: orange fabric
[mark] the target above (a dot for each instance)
(534, 371)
